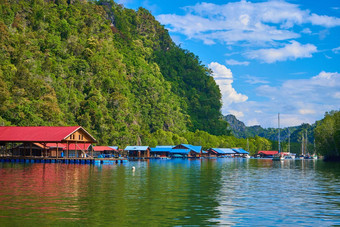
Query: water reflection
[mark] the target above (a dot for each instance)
(172, 192)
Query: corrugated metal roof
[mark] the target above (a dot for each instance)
(114, 147)
(161, 149)
(102, 148)
(136, 148)
(268, 152)
(224, 150)
(167, 146)
(240, 151)
(180, 151)
(38, 133)
(196, 149)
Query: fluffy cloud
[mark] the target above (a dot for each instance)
(244, 21)
(298, 101)
(224, 79)
(292, 51)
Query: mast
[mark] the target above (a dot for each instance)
(288, 141)
(306, 141)
(278, 118)
(302, 145)
(247, 144)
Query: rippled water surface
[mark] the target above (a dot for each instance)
(179, 192)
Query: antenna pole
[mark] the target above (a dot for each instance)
(278, 118)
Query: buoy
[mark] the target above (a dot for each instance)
(133, 168)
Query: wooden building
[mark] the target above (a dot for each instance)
(105, 151)
(160, 151)
(45, 141)
(187, 150)
(221, 152)
(267, 154)
(138, 151)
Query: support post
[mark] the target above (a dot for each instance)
(67, 150)
(57, 156)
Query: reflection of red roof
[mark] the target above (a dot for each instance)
(37, 134)
(103, 148)
(268, 152)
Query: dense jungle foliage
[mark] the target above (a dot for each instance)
(327, 135)
(112, 70)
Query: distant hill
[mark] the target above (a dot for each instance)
(240, 130)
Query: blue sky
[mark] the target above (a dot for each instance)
(267, 56)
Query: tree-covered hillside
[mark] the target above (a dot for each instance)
(113, 70)
(327, 136)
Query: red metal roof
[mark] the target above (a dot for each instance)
(268, 152)
(102, 148)
(37, 134)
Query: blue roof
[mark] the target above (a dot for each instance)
(224, 150)
(114, 147)
(161, 149)
(240, 151)
(196, 149)
(179, 151)
(136, 148)
(167, 146)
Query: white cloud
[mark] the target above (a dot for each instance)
(252, 122)
(325, 21)
(235, 62)
(237, 114)
(337, 95)
(244, 21)
(306, 31)
(224, 79)
(306, 111)
(299, 101)
(291, 51)
(336, 50)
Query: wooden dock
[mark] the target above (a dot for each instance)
(21, 159)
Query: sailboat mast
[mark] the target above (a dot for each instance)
(247, 145)
(278, 118)
(306, 141)
(302, 145)
(288, 141)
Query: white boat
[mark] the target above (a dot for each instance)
(278, 158)
(290, 156)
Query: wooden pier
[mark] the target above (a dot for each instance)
(22, 159)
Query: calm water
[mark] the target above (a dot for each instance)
(172, 192)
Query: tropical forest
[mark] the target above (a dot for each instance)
(117, 73)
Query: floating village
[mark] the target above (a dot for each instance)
(73, 144)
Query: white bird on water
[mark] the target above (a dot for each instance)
(133, 169)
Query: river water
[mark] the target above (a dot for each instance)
(236, 192)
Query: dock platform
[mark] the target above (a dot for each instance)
(20, 159)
